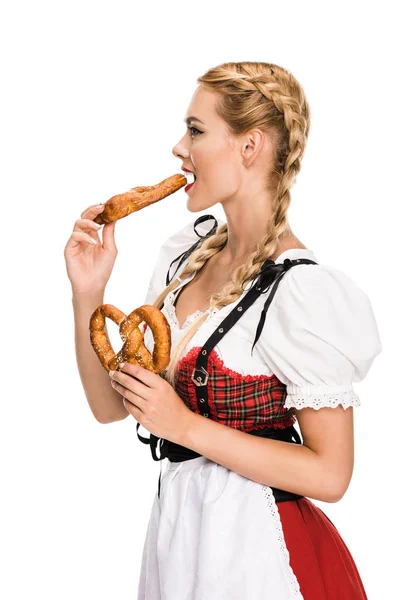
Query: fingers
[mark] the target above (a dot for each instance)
(85, 224)
(109, 237)
(92, 211)
(132, 389)
(81, 236)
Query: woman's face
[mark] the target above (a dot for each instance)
(210, 152)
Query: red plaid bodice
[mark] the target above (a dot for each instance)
(245, 402)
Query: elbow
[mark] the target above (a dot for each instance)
(334, 479)
(102, 420)
(332, 498)
(335, 490)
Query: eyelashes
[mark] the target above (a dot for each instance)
(193, 129)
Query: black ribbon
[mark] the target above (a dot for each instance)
(175, 452)
(194, 246)
(270, 272)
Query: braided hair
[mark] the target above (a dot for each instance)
(251, 95)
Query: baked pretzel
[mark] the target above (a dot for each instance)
(122, 205)
(133, 351)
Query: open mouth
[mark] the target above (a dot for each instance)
(191, 177)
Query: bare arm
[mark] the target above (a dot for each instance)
(321, 468)
(105, 403)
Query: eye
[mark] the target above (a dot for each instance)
(193, 129)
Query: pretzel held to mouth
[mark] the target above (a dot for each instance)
(133, 351)
(122, 205)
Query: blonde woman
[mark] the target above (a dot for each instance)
(263, 336)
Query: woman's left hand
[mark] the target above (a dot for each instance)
(152, 401)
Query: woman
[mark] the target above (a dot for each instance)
(263, 336)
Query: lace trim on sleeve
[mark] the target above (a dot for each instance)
(321, 396)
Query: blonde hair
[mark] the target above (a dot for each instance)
(251, 95)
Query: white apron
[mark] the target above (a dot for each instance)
(214, 535)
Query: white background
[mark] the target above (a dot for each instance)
(93, 100)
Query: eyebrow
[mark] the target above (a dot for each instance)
(188, 119)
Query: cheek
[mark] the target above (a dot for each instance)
(217, 169)
(224, 177)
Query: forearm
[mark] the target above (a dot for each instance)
(105, 402)
(284, 465)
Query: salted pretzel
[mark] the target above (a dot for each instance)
(122, 205)
(133, 351)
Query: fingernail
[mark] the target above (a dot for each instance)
(111, 373)
(99, 205)
(92, 241)
(97, 226)
(121, 365)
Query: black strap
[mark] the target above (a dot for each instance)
(194, 247)
(152, 440)
(271, 272)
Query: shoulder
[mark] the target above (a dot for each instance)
(322, 294)
(177, 248)
(320, 335)
(326, 303)
(175, 251)
(192, 232)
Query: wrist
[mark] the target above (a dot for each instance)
(185, 435)
(91, 297)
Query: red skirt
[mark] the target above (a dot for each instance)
(319, 557)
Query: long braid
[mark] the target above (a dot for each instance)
(252, 94)
(211, 245)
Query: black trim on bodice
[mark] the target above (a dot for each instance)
(271, 274)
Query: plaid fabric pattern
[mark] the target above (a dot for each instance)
(244, 402)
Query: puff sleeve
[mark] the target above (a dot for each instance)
(172, 247)
(320, 336)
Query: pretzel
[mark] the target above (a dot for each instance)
(133, 351)
(122, 205)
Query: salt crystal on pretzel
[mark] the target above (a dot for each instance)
(133, 351)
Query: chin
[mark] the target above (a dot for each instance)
(195, 205)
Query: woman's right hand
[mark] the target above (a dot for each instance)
(89, 265)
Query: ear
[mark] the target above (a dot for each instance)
(252, 144)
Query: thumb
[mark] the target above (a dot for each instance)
(109, 237)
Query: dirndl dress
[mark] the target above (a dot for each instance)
(291, 340)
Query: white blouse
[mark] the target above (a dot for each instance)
(319, 337)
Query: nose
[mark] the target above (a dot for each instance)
(181, 150)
